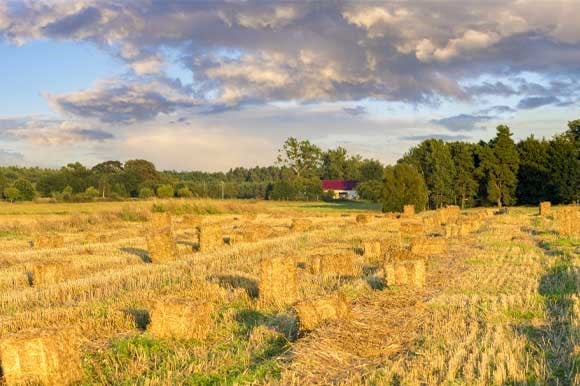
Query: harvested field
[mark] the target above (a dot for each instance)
(303, 295)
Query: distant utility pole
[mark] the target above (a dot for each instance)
(223, 190)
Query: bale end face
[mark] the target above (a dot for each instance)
(545, 207)
(408, 211)
(312, 314)
(410, 272)
(363, 219)
(181, 318)
(48, 358)
(278, 281)
(210, 237)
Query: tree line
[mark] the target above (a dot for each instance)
(432, 174)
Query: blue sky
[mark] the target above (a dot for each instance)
(214, 85)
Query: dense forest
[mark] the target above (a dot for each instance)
(432, 174)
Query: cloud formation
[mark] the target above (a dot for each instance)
(462, 122)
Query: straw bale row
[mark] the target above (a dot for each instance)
(278, 280)
(210, 237)
(412, 227)
(182, 318)
(568, 220)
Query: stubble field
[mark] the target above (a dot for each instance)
(235, 292)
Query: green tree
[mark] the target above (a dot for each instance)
(464, 183)
(533, 173)
(184, 192)
(91, 192)
(371, 170)
(27, 192)
(165, 191)
(433, 159)
(11, 193)
(500, 164)
(564, 168)
(301, 157)
(136, 172)
(104, 172)
(146, 192)
(403, 185)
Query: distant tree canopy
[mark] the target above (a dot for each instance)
(497, 172)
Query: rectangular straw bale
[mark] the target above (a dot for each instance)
(312, 313)
(48, 357)
(407, 272)
(161, 243)
(278, 280)
(51, 273)
(568, 221)
(428, 246)
(451, 230)
(191, 220)
(412, 227)
(408, 211)
(300, 225)
(372, 250)
(362, 218)
(545, 207)
(48, 241)
(210, 237)
(334, 265)
(453, 211)
(182, 318)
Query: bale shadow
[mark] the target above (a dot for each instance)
(141, 317)
(236, 281)
(141, 253)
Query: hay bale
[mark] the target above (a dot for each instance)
(210, 237)
(300, 225)
(372, 250)
(251, 233)
(545, 207)
(341, 266)
(391, 225)
(181, 318)
(278, 280)
(191, 220)
(429, 246)
(48, 241)
(408, 211)
(161, 243)
(362, 218)
(312, 313)
(50, 273)
(407, 272)
(412, 227)
(568, 221)
(47, 357)
(451, 230)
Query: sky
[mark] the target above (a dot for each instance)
(211, 85)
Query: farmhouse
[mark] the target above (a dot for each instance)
(343, 189)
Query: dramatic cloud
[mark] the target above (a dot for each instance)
(355, 110)
(45, 131)
(462, 122)
(533, 102)
(115, 101)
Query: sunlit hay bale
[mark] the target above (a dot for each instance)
(50, 273)
(568, 220)
(431, 224)
(250, 233)
(362, 218)
(161, 241)
(181, 318)
(451, 230)
(341, 266)
(278, 280)
(408, 211)
(391, 225)
(48, 241)
(210, 237)
(429, 246)
(412, 227)
(14, 280)
(398, 253)
(405, 272)
(312, 313)
(160, 220)
(545, 207)
(300, 225)
(372, 251)
(390, 244)
(453, 212)
(191, 220)
(47, 357)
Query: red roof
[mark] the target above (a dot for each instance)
(339, 184)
